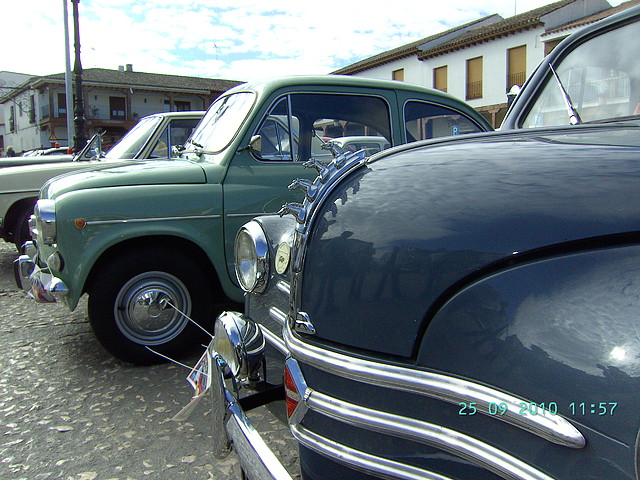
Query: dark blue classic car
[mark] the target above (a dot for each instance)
(462, 309)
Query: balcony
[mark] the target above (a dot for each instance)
(516, 79)
(474, 90)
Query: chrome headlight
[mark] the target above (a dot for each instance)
(45, 213)
(252, 258)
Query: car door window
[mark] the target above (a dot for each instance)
(176, 133)
(424, 121)
(275, 139)
(299, 127)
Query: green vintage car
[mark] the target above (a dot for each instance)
(151, 138)
(152, 243)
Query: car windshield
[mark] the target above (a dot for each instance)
(601, 79)
(134, 140)
(220, 124)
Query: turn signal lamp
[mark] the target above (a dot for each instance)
(296, 391)
(292, 394)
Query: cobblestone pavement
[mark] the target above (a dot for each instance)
(68, 410)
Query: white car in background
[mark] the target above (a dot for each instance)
(152, 137)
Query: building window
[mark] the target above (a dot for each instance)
(178, 106)
(398, 75)
(550, 45)
(32, 109)
(440, 78)
(474, 78)
(117, 108)
(62, 105)
(12, 119)
(516, 66)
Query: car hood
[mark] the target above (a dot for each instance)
(444, 212)
(153, 172)
(30, 178)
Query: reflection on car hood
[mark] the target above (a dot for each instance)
(34, 160)
(463, 206)
(32, 177)
(139, 173)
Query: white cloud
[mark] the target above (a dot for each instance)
(237, 39)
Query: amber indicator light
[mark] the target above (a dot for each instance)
(80, 223)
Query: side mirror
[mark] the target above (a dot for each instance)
(255, 143)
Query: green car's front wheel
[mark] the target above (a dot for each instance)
(143, 299)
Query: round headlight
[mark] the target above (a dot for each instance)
(45, 211)
(252, 258)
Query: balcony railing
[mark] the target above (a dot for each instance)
(515, 79)
(474, 90)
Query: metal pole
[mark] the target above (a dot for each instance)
(67, 77)
(80, 137)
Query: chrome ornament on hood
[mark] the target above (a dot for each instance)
(328, 177)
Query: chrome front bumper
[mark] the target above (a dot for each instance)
(231, 424)
(36, 282)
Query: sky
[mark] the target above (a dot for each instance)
(229, 39)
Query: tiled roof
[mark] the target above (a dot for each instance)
(517, 23)
(405, 50)
(594, 18)
(142, 80)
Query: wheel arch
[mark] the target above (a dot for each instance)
(14, 213)
(166, 242)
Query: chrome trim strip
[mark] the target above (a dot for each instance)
(278, 315)
(11, 192)
(452, 441)
(250, 215)
(554, 428)
(284, 288)
(155, 219)
(360, 460)
(256, 456)
(274, 340)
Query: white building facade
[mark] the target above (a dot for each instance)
(480, 61)
(35, 113)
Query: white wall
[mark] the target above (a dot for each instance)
(494, 66)
(413, 71)
(494, 55)
(26, 135)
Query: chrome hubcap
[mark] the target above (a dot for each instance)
(144, 308)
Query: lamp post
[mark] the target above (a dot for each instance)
(67, 77)
(80, 138)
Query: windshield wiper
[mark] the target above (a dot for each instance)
(198, 150)
(574, 116)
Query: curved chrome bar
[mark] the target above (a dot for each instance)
(459, 444)
(360, 460)
(554, 428)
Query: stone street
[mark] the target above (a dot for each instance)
(68, 410)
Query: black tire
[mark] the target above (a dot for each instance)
(125, 326)
(21, 231)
